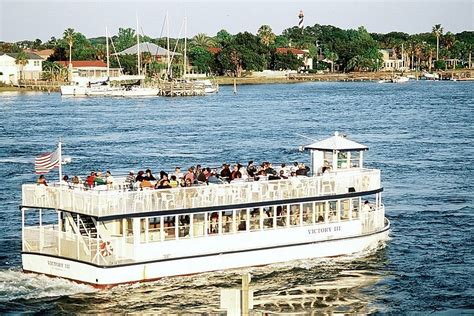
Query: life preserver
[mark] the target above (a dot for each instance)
(365, 182)
(105, 248)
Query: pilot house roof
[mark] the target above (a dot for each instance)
(336, 142)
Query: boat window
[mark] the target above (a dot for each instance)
(332, 216)
(355, 208)
(355, 159)
(169, 224)
(320, 208)
(213, 220)
(184, 222)
(268, 215)
(143, 223)
(342, 160)
(154, 229)
(255, 219)
(328, 158)
(199, 224)
(281, 215)
(129, 230)
(241, 218)
(227, 222)
(345, 207)
(308, 214)
(294, 215)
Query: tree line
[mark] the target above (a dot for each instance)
(235, 54)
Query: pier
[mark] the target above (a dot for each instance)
(178, 89)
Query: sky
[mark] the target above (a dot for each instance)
(31, 19)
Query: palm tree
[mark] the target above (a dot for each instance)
(332, 56)
(22, 60)
(438, 31)
(202, 40)
(429, 50)
(69, 37)
(266, 35)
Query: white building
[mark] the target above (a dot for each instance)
(10, 72)
(391, 61)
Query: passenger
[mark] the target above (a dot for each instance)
(225, 172)
(301, 170)
(109, 179)
(149, 176)
(269, 169)
(197, 171)
(42, 181)
(140, 176)
(202, 177)
(76, 183)
(163, 183)
(99, 180)
(367, 207)
(173, 182)
(236, 174)
(251, 169)
(213, 178)
(294, 167)
(130, 179)
(90, 179)
(65, 182)
(182, 183)
(189, 175)
(283, 175)
(146, 184)
(188, 183)
(284, 169)
(177, 172)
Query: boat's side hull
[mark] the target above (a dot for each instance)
(134, 272)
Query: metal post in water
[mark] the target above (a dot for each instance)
(235, 86)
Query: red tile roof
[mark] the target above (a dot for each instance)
(294, 51)
(214, 50)
(83, 63)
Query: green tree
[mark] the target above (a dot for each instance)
(223, 38)
(202, 40)
(266, 35)
(285, 61)
(126, 38)
(68, 36)
(21, 60)
(438, 31)
(200, 58)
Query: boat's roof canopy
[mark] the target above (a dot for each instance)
(336, 142)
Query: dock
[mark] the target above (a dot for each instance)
(179, 89)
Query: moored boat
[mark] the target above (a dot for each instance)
(113, 236)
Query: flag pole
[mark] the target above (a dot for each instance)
(60, 161)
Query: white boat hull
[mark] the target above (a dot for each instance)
(73, 90)
(318, 243)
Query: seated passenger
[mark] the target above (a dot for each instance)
(251, 169)
(109, 179)
(146, 184)
(178, 174)
(90, 179)
(163, 183)
(173, 182)
(130, 179)
(236, 173)
(140, 176)
(42, 181)
(225, 172)
(99, 180)
(367, 207)
(189, 175)
(149, 176)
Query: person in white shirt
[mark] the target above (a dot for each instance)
(109, 179)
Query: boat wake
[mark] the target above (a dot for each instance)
(16, 285)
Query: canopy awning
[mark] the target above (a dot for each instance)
(336, 142)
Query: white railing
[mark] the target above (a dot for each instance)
(117, 202)
(373, 220)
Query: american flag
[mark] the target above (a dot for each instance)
(45, 162)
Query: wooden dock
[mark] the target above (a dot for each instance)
(179, 89)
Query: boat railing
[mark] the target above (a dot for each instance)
(48, 239)
(120, 202)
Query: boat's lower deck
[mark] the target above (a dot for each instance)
(103, 275)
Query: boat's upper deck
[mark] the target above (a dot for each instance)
(117, 202)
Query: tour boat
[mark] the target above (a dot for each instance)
(114, 236)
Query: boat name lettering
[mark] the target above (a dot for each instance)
(59, 264)
(324, 230)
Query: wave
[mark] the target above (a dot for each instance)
(17, 285)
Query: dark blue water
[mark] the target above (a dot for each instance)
(420, 135)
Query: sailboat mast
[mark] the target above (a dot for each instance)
(185, 43)
(138, 49)
(107, 51)
(168, 41)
